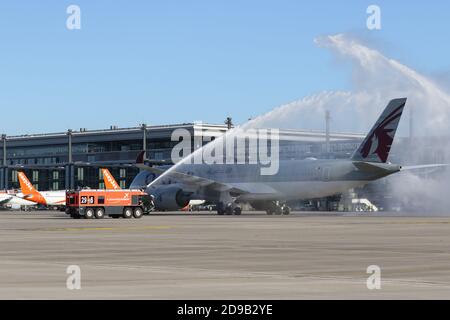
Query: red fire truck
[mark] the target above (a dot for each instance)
(114, 203)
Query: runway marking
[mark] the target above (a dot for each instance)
(102, 228)
(220, 274)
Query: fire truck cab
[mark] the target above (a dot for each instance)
(91, 204)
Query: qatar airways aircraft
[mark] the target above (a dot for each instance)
(231, 184)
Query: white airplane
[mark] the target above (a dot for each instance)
(10, 199)
(230, 184)
(4, 197)
(46, 198)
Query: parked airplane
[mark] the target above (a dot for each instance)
(4, 197)
(9, 199)
(31, 197)
(48, 198)
(110, 182)
(231, 184)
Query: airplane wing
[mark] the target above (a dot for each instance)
(5, 199)
(150, 169)
(192, 180)
(187, 179)
(140, 163)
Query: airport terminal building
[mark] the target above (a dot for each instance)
(72, 159)
(67, 160)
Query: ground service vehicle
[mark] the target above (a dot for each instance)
(114, 203)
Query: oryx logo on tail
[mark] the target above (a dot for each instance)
(377, 145)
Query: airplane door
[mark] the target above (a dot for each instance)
(326, 174)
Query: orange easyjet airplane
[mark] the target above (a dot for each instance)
(48, 198)
(56, 198)
(110, 182)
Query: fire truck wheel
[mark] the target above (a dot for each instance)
(138, 213)
(99, 213)
(89, 213)
(127, 213)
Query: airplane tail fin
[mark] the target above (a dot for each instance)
(110, 182)
(25, 185)
(377, 144)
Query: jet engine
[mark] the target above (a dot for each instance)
(170, 198)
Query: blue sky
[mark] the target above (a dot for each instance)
(182, 61)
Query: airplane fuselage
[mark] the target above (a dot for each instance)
(49, 198)
(295, 179)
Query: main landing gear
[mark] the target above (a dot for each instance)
(228, 209)
(277, 209)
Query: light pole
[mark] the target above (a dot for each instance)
(70, 172)
(4, 164)
(69, 134)
(327, 132)
(144, 139)
(229, 123)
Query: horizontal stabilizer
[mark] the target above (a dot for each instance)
(373, 167)
(425, 166)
